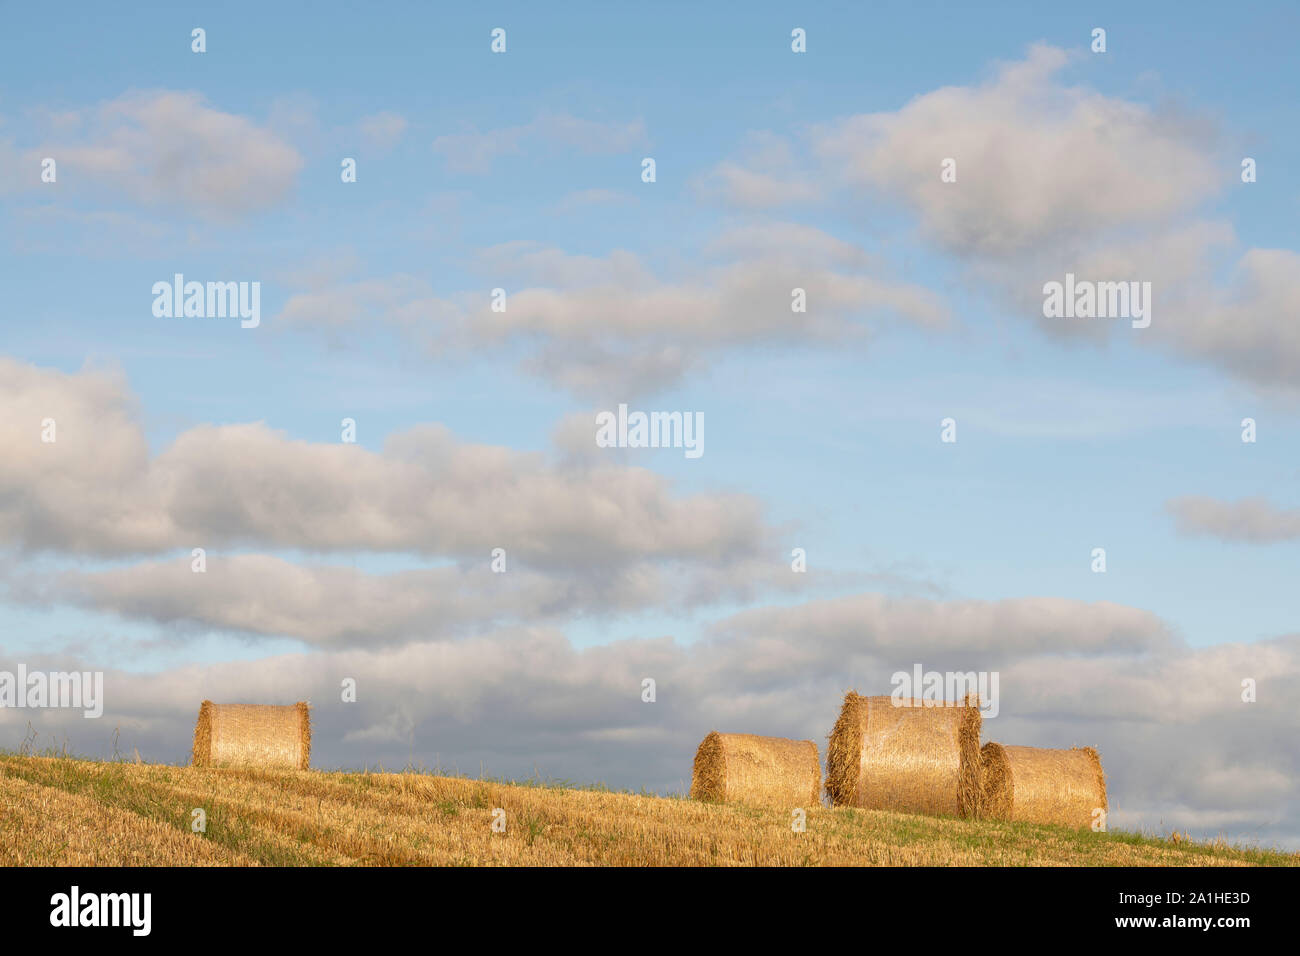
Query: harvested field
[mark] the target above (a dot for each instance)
(48, 826)
(304, 818)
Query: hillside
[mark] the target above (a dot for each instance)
(56, 811)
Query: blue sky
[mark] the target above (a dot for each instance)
(468, 162)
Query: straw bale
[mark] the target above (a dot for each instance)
(911, 755)
(1036, 785)
(257, 735)
(759, 771)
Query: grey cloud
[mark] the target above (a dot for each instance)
(97, 490)
(916, 626)
(335, 606)
(1255, 520)
(1252, 328)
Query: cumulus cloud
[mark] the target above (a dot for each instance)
(171, 147)
(1251, 328)
(1054, 179)
(98, 490)
(1248, 326)
(1036, 160)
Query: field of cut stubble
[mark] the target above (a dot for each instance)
(57, 811)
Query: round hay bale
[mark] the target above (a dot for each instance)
(760, 771)
(252, 735)
(918, 757)
(1036, 785)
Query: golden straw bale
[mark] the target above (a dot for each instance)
(916, 756)
(257, 735)
(1036, 785)
(760, 771)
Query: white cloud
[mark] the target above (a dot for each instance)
(1036, 161)
(167, 147)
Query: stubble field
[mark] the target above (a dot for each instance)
(63, 811)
